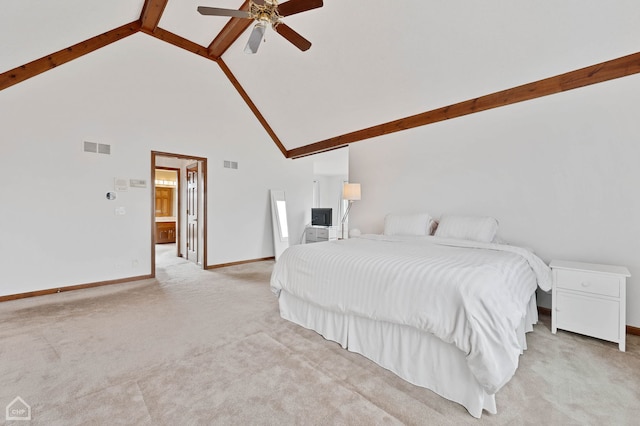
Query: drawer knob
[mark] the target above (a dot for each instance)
(586, 284)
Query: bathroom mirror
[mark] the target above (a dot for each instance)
(279, 222)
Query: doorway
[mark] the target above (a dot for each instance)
(167, 205)
(178, 210)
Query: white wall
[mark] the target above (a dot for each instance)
(330, 188)
(330, 171)
(139, 94)
(561, 174)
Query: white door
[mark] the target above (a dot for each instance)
(192, 213)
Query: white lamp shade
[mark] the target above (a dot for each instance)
(351, 191)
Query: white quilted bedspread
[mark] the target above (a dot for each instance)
(472, 295)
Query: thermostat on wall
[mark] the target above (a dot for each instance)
(120, 184)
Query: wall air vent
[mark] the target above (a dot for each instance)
(90, 147)
(230, 164)
(103, 148)
(100, 148)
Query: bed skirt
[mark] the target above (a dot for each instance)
(444, 369)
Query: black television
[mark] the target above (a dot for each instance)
(321, 216)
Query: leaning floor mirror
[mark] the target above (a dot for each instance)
(279, 219)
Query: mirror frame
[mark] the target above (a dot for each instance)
(280, 223)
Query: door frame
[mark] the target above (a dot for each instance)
(203, 223)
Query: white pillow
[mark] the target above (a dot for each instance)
(407, 224)
(475, 228)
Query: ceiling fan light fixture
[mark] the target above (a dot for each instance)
(256, 37)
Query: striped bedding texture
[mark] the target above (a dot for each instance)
(470, 294)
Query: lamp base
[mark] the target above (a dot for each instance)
(344, 218)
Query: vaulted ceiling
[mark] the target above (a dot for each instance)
(375, 67)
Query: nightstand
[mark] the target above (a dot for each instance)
(590, 299)
(315, 234)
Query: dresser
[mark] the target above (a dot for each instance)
(315, 234)
(165, 232)
(590, 299)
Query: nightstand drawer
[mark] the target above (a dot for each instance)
(601, 284)
(322, 233)
(587, 315)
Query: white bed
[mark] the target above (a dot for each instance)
(449, 315)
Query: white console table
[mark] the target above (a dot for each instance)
(590, 299)
(315, 234)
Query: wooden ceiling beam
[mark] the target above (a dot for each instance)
(229, 34)
(46, 63)
(252, 106)
(152, 13)
(179, 41)
(609, 70)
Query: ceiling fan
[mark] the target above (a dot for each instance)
(266, 12)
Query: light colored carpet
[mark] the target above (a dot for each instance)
(197, 347)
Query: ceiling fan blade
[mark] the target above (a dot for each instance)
(294, 38)
(204, 10)
(255, 38)
(296, 6)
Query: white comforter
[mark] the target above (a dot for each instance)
(472, 295)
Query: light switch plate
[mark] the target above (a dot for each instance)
(137, 183)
